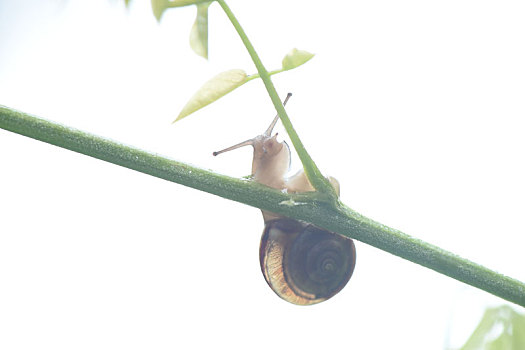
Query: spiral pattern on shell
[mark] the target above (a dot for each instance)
(304, 264)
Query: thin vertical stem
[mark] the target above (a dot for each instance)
(316, 178)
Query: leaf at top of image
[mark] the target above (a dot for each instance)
(199, 31)
(159, 6)
(213, 89)
(295, 58)
(501, 328)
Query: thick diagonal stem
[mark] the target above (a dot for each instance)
(321, 213)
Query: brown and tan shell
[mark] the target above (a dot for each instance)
(304, 264)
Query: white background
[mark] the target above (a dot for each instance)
(415, 106)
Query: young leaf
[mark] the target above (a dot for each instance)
(295, 58)
(199, 31)
(213, 89)
(500, 328)
(181, 3)
(159, 6)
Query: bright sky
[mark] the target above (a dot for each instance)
(415, 107)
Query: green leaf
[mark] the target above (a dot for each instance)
(159, 6)
(199, 31)
(213, 89)
(295, 58)
(501, 328)
(127, 2)
(181, 3)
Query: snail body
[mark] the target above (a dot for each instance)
(303, 264)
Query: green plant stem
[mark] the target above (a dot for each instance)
(313, 208)
(316, 178)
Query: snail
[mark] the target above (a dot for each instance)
(303, 264)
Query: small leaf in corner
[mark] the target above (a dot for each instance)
(213, 89)
(295, 58)
(501, 328)
(199, 31)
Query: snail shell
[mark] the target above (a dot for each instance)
(304, 264)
